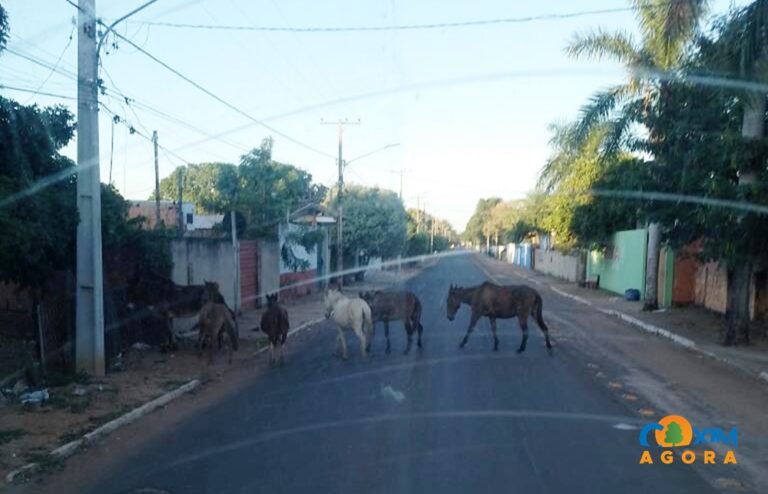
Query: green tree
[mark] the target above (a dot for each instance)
(674, 434)
(477, 229)
(262, 190)
(746, 53)
(666, 32)
(374, 224)
(205, 184)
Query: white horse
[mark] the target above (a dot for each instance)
(349, 313)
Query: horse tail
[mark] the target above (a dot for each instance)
(367, 319)
(539, 303)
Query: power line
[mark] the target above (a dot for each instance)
(407, 27)
(37, 92)
(37, 61)
(221, 100)
(58, 61)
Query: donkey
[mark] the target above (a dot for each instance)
(349, 313)
(502, 302)
(395, 306)
(274, 322)
(213, 321)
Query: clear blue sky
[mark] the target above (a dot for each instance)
(482, 131)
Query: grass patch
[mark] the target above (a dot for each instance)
(99, 420)
(64, 399)
(174, 383)
(57, 379)
(45, 461)
(8, 435)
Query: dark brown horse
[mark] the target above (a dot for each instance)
(499, 302)
(168, 300)
(274, 322)
(396, 306)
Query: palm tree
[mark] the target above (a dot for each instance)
(745, 42)
(666, 29)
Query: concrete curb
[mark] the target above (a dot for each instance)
(70, 448)
(295, 330)
(665, 333)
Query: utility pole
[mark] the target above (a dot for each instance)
(236, 250)
(418, 214)
(157, 182)
(340, 201)
(432, 237)
(89, 319)
(181, 202)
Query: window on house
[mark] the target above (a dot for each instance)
(189, 218)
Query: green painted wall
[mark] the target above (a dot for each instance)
(625, 268)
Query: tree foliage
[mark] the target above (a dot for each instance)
(374, 223)
(261, 189)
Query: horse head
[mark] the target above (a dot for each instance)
(453, 302)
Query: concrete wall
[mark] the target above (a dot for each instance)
(520, 255)
(622, 266)
(567, 267)
(269, 268)
(712, 287)
(196, 260)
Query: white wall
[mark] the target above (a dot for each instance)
(196, 260)
(554, 263)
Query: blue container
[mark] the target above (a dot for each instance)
(633, 295)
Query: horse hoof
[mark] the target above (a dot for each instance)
(520, 350)
(387, 350)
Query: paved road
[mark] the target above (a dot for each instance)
(441, 420)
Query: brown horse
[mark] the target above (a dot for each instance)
(167, 300)
(274, 322)
(214, 320)
(396, 306)
(499, 302)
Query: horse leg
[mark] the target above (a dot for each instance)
(271, 352)
(523, 319)
(386, 334)
(495, 338)
(472, 324)
(409, 333)
(343, 341)
(420, 329)
(363, 344)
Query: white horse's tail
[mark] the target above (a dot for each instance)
(367, 320)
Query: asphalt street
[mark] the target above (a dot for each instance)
(438, 420)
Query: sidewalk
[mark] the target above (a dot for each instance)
(692, 327)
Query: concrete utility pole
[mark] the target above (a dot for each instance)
(157, 182)
(180, 181)
(89, 296)
(89, 319)
(432, 237)
(236, 251)
(340, 201)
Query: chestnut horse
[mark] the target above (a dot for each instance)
(499, 302)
